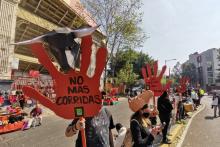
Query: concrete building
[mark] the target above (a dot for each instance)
(26, 19)
(206, 64)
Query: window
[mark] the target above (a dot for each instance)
(210, 74)
(210, 80)
(209, 66)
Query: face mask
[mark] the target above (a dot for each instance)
(146, 114)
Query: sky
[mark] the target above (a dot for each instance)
(178, 28)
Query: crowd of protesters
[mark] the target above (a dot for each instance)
(172, 108)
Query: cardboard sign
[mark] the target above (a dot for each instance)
(77, 95)
(182, 87)
(153, 81)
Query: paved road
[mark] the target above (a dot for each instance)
(51, 133)
(204, 130)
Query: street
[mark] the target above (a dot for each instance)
(51, 132)
(204, 129)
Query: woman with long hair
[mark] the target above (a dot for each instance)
(143, 133)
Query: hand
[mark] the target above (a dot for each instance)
(75, 88)
(80, 124)
(182, 85)
(154, 131)
(154, 81)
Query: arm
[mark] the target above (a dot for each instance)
(120, 137)
(71, 130)
(111, 139)
(40, 112)
(76, 125)
(111, 126)
(136, 134)
(169, 105)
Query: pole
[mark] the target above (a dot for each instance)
(169, 72)
(83, 135)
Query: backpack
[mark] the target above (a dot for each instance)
(128, 140)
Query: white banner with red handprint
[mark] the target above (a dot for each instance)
(77, 95)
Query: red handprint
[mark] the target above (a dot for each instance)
(73, 89)
(181, 88)
(154, 81)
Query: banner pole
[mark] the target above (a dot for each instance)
(83, 135)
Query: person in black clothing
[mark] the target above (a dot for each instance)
(165, 108)
(21, 100)
(143, 133)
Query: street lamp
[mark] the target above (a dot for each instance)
(169, 60)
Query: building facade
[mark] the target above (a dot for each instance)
(206, 64)
(26, 19)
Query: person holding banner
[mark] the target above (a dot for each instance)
(97, 130)
(165, 108)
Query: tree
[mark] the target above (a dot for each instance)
(189, 70)
(184, 70)
(119, 21)
(137, 59)
(127, 75)
(141, 61)
(177, 72)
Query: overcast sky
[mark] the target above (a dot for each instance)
(178, 28)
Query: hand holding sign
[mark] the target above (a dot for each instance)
(154, 81)
(76, 93)
(183, 84)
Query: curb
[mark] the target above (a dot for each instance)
(176, 132)
(187, 127)
(180, 131)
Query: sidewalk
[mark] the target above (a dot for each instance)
(177, 130)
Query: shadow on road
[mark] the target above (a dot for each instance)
(209, 117)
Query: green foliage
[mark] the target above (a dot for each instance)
(141, 61)
(137, 59)
(184, 70)
(189, 70)
(120, 22)
(127, 75)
